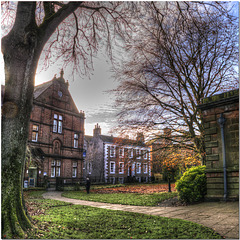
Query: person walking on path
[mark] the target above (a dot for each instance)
(88, 185)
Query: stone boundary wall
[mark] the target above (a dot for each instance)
(227, 104)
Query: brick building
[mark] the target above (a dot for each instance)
(116, 160)
(219, 139)
(56, 135)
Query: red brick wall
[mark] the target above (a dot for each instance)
(45, 106)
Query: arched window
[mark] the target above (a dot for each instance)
(56, 147)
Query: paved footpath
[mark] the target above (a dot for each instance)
(223, 217)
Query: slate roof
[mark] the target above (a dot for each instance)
(106, 138)
(120, 141)
(88, 138)
(38, 90)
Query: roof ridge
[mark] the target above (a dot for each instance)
(39, 89)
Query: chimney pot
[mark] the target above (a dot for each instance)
(96, 130)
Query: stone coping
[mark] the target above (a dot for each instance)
(229, 169)
(220, 100)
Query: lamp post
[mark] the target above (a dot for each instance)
(221, 122)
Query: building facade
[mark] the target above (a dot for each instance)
(56, 135)
(221, 126)
(117, 160)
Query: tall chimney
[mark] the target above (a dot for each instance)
(96, 130)
(167, 132)
(140, 137)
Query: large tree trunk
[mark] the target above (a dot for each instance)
(21, 52)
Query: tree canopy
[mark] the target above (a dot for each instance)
(72, 31)
(183, 52)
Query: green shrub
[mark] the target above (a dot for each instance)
(192, 186)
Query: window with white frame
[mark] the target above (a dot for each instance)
(121, 152)
(35, 133)
(138, 167)
(130, 153)
(55, 168)
(133, 169)
(57, 123)
(75, 143)
(112, 180)
(121, 167)
(145, 168)
(112, 167)
(112, 151)
(74, 169)
(120, 179)
(145, 179)
(58, 168)
(138, 179)
(138, 153)
(145, 154)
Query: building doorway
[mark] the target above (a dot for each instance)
(130, 171)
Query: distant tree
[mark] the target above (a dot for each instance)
(170, 159)
(73, 31)
(183, 52)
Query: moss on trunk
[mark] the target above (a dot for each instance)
(21, 50)
(14, 218)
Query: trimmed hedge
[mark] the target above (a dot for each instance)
(192, 186)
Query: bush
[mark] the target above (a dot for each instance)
(192, 186)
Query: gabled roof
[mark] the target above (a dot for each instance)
(88, 138)
(116, 140)
(38, 90)
(106, 138)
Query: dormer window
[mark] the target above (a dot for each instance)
(57, 123)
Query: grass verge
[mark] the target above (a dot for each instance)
(122, 198)
(80, 222)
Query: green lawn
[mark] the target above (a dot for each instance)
(121, 198)
(58, 220)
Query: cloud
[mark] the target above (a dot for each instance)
(105, 116)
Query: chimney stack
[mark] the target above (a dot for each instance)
(140, 137)
(167, 132)
(96, 130)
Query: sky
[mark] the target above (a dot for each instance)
(89, 93)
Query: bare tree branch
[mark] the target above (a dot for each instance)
(184, 52)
